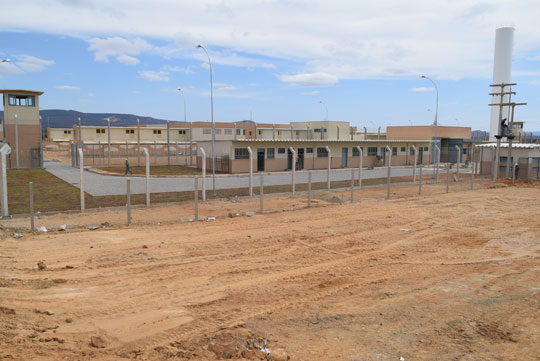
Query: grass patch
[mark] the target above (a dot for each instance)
(53, 194)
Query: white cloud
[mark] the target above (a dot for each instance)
(127, 60)
(346, 39)
(310, 79)
(9, 68)
(154, 75)
(312, 93)
(67, 87)
(187, 70)
(136, 92)
(91, 95)
(534, 58)
(422, 89)
(29, 63)
(122, 49)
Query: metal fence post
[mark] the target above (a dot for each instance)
(414, 165)
(128, 204)
(31, 193)
(168, 144)
(203, 174)
(458, 162)
(250, 171)
(293, 168)
(261, 191)
(420, 181)
(352, 185)
(176, 153)
(447, 177)
(438, 161)
(473, 168)
(155, 152)
(361, 152)
(196, 198)
(81, 175)
(329, 152)
(4, 151)
(108, 142)
(147, 166)
(388, 177)
(309, 190)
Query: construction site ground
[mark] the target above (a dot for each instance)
(442, 276)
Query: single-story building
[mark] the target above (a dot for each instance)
(525, 154)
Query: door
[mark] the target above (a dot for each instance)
(289, 159)
(344, 157)
(260, 159)
(420, 155)
(383, 155)
(301, 158)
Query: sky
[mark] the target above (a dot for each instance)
(273, 61)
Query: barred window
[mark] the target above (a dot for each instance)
(207, 131)
(228, 131)
(322, 153)
(241, 153)
(281, 150)
(372, 151)
(157, 131)
(309, 150)
(355, 152)
(394, 150)
(269, 153)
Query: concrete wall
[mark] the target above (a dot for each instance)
(426, 132)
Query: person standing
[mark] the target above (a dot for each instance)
(516, 170)
(128, 168)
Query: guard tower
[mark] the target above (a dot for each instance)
(21, 128)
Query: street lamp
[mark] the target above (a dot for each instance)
(213, 126)
(320, 101)
(436, 104)
(184, 96)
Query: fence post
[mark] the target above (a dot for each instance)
(447, 177)
(168, 144)
(203, 174)
(309, 189)
(108, 143)
(4, 151)
(361, 152)
(420, 181)
(176, 152)
(414, 164)
(31, 193)
(250, 171)
(128, 204)
(93, 154)
(138, 142)
(329, 166)
(514, 172)
(127, 149)
(473, 169)
(81, 175)
(352, 185)
(458, 162)
(261, 191)
(155, 152)
(196, 198)
(147, 166)
(389, 151)
(293, 168)
(438, 161)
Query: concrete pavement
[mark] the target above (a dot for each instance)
(105, 185)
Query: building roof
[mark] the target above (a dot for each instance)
(330, 140)
(514, 145)
(35, 92)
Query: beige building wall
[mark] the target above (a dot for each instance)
(426, 132)
(327, 129)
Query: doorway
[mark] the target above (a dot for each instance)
(344, 157)
(289, 159)
(260, 159)
(301, 158)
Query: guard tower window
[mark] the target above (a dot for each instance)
(67, 131)
(22, 100)
(157, 131)
(100, 130)
(182, 132)
(130, 131)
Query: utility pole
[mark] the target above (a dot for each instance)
(510, 135)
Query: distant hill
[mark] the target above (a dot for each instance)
(58, 118)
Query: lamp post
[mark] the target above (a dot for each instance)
(326, 108)
(436, 103)
(184, 96)
(213, 126)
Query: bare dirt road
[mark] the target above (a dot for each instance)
(448, 277)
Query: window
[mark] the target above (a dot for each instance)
(281, 150)
(309, 150)
(260, 132)
(241, 153)
(464, 151)
(157, 131)
(411, 151)
(100, 130)
(325, 130)
(322, 153)
(217, 130)
(130, 131)
(182, 132)
(67, 131)
(228, 131)
(425, 149)
(317, 130)
(207, 131)
(269, 153)
(355, 152)
(22, 100)
(372, 151)
(394, 150)
(249, 132)
(403, 150)
(238, 131)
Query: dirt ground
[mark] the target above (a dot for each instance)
(439, 277)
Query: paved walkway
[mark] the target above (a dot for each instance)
(105, 185)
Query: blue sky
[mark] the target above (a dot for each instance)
(274, 59)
